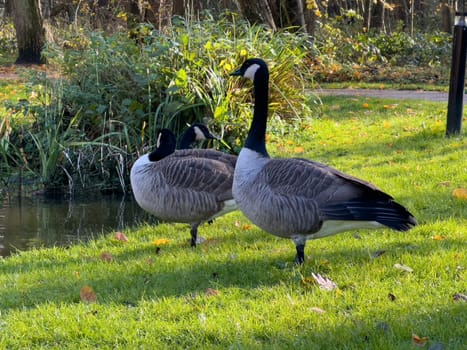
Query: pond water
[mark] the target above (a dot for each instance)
(27, 223)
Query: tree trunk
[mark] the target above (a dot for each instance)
(257, 12)
(446, 17)
(30, 35)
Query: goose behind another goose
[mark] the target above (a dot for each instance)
(186, 186)
(299, 198)
(195, 132)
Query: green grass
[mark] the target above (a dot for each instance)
(240, 290)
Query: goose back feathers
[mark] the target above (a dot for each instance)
(298, 198)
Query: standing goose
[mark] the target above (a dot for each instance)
(299, 198)
(187, 186)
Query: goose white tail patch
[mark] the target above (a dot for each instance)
(331, 227)
(229, 205)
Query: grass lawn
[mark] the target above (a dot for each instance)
(240, 289)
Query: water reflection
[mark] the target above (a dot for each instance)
(39, 222)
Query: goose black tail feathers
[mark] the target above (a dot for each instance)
(386, 212)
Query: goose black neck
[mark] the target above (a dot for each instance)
(187, 139)
(256, 139)
(161, 152)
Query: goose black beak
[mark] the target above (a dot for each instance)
(238, 72)
(212, 137)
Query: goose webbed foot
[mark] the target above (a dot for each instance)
(300, 257)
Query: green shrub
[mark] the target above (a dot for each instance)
(349, 54)
(119, 89)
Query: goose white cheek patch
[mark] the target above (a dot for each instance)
(199, 134)
(251, 71)
(158, 143)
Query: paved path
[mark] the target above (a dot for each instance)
(395, 94)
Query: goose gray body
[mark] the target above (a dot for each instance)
(186, 186)
(298, 198)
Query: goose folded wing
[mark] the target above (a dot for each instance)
(201, 175)
(337, 196)
(316, 181)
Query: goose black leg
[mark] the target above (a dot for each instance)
(300, 258)
(194, 234)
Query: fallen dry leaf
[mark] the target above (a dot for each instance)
(460, 193)
(317, 310)
(120, 236)
(419, 341)
(299, 149)
(211, 292)
(403, 268)
(438, 238)
(87, 294)
(323, 282)
(107, 257)
(160, 241)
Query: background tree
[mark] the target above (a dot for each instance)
(29, 30)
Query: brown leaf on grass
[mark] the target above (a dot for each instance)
(419, 341)
(211, 292)
(438, 238)
(120, 236)
(299, 149)
(160, 241)
(244, 227)
(317, 310)
(459, 297)
(107, 257)
(87, 294)
(460, 193)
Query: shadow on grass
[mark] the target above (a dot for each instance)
(388, 329)
(177, 270)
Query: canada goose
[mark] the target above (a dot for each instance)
(299, 198)
(196, 132)
(187, 186)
